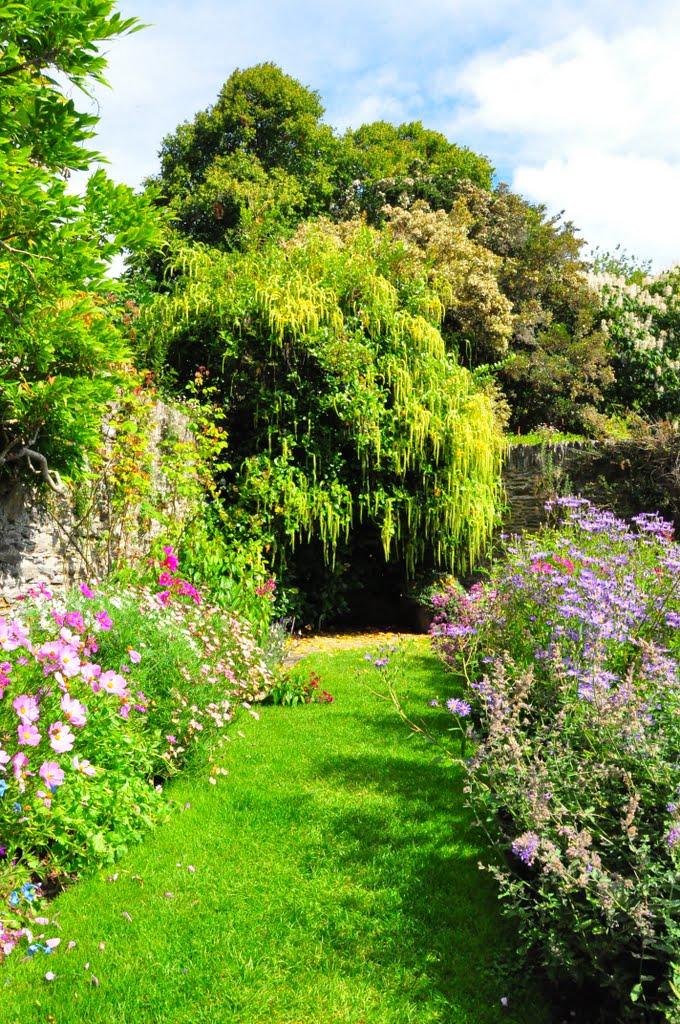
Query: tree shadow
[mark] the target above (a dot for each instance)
(411, 840)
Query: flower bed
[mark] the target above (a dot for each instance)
(103, 696)
(570, 659)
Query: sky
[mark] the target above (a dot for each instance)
(576, 104)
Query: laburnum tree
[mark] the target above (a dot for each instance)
(61, 352)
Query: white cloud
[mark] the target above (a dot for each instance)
(536, 87)
(589, 123)
(613, 200)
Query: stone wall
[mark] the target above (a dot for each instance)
(63, 539)
(626, 477)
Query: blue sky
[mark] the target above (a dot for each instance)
(577, 104)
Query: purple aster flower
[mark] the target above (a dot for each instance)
(458, 707)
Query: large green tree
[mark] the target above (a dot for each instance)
(61, 352)
(344, 404)
(253, 165)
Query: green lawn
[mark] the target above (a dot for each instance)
(335, 880)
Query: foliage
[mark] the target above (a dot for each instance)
(104, 694)
(343, 402)
(570, 652)
(253, 165)
(380, 165)
(641, 321)
(61, 354)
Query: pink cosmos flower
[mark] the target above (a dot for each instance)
(49, 650)
(61, 738)
(90, 672)
(51, 773)
(8, 640)
(84, 766)
(68, 661)
(28, 735)
(112, 682)
(4, 759)
(19, 762)
(84, 589)
(104, 621)
(74, 711)
(135, 656)
(27, 708)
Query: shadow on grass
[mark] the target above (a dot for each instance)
(420, 843)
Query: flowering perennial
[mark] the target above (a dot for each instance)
(570, 654)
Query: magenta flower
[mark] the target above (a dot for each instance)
(84, 589)
(74, 711)
(51, 773)
(28, 735)
(104, 621)
(27, 709)
(171, 561)
(61, 738)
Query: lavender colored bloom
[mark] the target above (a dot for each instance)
(526, 847)
(458, 707)
(433, 703)
(381, 662)
(673, 837)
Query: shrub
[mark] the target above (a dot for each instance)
(571, 656)
(105, 694)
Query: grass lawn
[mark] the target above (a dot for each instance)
(335, 880)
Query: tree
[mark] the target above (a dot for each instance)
(345, 408)
(61, 353)
(253, 165)
(382, 165)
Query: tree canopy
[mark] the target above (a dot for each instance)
(344, 403)
(371, 308)
(60, 350)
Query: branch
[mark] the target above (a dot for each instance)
(33, 458)
(34, 62)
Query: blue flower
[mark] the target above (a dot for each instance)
(17, 807)
(3, 787)
(14, 899)
(28, 890)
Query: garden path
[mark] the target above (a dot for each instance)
(302, 644)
